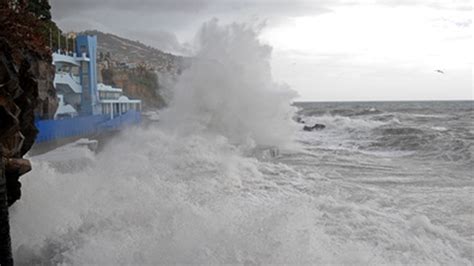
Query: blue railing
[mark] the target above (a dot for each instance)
(129, 118)
(51, 130)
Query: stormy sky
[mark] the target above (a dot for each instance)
(324, 49)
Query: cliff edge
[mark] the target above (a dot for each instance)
(26, 85)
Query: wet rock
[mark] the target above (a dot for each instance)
(298, 119)
(21, 79)
(18, 166)
(25, 70)
(14, 168)
(314, 128)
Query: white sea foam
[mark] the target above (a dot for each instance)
(174, 200)
(442, 129)
(196, 199)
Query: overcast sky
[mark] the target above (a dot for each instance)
(324, 49)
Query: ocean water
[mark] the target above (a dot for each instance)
(384, 183)
(227, 177)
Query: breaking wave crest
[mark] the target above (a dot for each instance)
(229, 90)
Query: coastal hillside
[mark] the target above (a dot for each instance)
(134, 52)
(136, 67)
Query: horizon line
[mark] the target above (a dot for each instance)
(329, 101)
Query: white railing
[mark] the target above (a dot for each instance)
(68, 79)
(71, 59)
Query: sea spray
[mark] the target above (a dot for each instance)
(229, 90)
(153, 196)
(156, 198)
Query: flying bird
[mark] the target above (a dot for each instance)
(439, 71)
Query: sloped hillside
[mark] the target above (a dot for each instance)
(135, 67)
(134, 52)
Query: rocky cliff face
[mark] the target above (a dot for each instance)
(136, 83)
(136, 67)
(26, 80)
(26, 85)
(26, 75)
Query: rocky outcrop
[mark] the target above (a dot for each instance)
(18, 94)
(298, 119)
(314, 127)
(19, 83)
(26, 76)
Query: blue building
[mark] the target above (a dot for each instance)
(86, 47)
(85, 106)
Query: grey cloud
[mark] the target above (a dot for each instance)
(146, 20)
(151, 20)
(163, 40)
(72, 7)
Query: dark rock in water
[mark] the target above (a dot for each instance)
(315, 127)
(298, 119)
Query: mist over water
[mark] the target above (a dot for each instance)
(229, 90)
(195, 189)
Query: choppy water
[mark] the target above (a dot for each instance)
(411, 161)
(384, 183)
